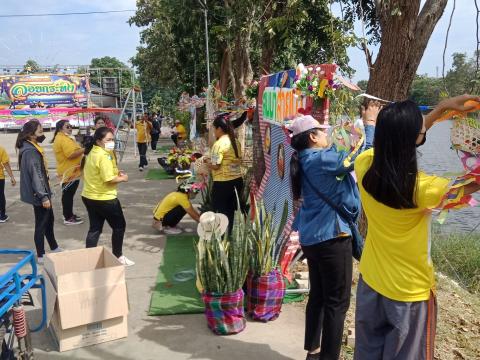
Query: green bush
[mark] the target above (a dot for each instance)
(458, 256)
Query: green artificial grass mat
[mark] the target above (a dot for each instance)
(158, 174)
(171, 296)
(292, 297)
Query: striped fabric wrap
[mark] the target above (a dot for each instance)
(265, 296)
(224, 312)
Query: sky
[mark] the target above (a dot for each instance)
(462, 38)
(75, 40)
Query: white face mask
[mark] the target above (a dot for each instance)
(110, 145)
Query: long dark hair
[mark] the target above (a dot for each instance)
(58, 127)
(28, 130)
(97, 119)
(298, 143)
(222, 122)
(392, 177)
(99, 134)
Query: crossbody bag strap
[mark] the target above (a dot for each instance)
(330, 203)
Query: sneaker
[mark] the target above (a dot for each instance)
(72, 221)
(157, 225)
(140, 168)
(79, 218)
(40, 260)
(172, 230)
(4, 218)
(57, 250)
(125, 261)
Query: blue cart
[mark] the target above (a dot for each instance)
(15, 285)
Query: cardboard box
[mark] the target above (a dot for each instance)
(87, 297)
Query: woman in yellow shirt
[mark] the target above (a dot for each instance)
(68, 155)
(396, 307)
(225, 164)
(4, 164)
(180, 133)
(101, 177)
(173, 207)
(143, 127)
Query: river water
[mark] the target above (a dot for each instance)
(437, 157)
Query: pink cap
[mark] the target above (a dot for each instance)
(304, 123)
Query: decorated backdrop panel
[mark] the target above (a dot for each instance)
(52, 90)
(278, 102)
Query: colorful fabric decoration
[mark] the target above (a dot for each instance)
(265, 296)
(224, 312)
(465, 137)
(348, 137)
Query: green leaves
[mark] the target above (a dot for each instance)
(222, 262)
(265, 239)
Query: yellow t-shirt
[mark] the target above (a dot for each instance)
(170, 202)
(4, 159)
(396, 260)
(223, 154)
(143, 131)
(63, 147)
(182, 133)
(100, 168)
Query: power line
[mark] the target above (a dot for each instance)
(66, 14)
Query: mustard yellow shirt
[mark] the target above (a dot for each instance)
(222, 154)
(63, 147)
(396, 260)
(143, 131)
(100, 168)
(170, 202)
(4, 159)
(182, 133)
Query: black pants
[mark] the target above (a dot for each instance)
(174, 138)
(224, 198)
(330, 271)
(44, 221)
(174, 216)
(3, 202)
(68, 192)
(98, 212)
(142, 150)
(154, 142)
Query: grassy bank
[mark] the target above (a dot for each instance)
(458, 256)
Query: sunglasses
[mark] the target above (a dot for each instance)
(68, 126)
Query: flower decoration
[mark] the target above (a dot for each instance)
(313, 81)
(181, 158)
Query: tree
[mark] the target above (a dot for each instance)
(247, 39)
(108, 66)
(31, 67)
(426, 90)
(462, 77)
(403, 28)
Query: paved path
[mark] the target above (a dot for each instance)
(164, 337)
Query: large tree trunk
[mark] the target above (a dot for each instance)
(267, 56)
(226, 72)
(242, 67)
(405, 35)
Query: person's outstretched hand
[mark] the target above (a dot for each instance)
(458, 102)
(370, 113)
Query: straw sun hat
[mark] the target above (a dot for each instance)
(212, 225)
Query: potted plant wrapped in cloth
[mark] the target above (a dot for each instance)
(222, 265)
(265, 285)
